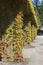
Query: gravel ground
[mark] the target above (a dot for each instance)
(33, 56)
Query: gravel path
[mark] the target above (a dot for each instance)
(33, 56)
(37, 57)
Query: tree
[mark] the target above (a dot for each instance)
(41, 15)
(36, 4)
(41, 8)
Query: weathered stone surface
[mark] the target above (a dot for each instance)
(34, 55)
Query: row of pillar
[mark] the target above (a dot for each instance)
(14, 39)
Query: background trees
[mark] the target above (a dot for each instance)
(39, 6)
